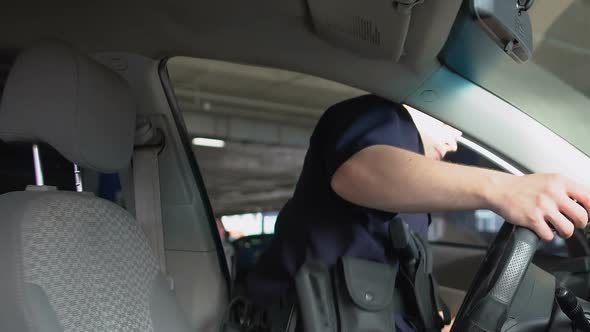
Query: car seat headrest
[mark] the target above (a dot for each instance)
(55, 94)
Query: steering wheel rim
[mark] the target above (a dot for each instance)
(497, 280)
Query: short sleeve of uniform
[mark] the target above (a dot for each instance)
(354, 125)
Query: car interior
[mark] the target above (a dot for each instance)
(112, 217)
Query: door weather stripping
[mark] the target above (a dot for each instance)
(503, 164)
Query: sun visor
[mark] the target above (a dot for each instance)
(375, 29)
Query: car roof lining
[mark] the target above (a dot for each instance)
(266, 32)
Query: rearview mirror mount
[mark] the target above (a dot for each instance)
(508, 24)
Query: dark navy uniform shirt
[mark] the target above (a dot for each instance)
(316, 221)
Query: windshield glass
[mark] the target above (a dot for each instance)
(554, 86)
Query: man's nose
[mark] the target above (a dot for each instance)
(451, 145)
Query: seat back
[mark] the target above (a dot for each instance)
(72, 261)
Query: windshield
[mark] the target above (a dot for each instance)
(554, 86)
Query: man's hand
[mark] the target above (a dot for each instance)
(539, 200)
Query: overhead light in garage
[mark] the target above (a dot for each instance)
(209, 142)
(206, 106)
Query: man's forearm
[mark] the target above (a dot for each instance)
(391, 179)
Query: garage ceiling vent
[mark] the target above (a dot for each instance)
(373, 29)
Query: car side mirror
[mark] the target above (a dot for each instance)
(508, 24)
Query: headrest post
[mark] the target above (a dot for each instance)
(39, 181)
(78, 178)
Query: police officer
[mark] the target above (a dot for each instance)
(366, 162)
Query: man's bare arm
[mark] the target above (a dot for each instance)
(392, 179)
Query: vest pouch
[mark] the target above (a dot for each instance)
(316, 298)
(364, 291)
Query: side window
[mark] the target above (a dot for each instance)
(250, 129)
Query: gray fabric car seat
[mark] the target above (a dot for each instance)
(71, 261)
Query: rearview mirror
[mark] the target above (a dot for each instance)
(508, 24)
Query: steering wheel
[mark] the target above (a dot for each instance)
(499, 276)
